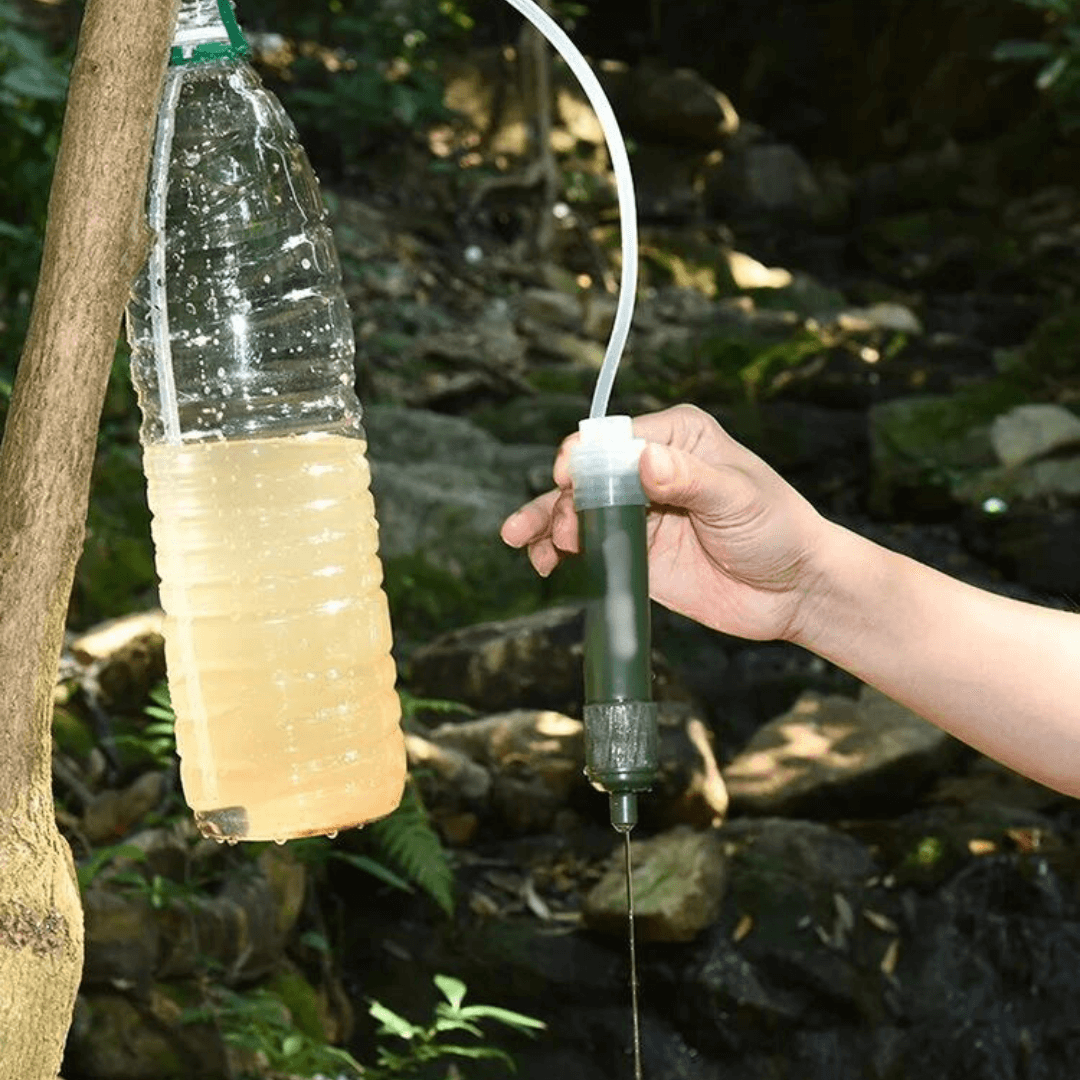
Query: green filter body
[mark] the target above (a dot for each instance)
(621, 739)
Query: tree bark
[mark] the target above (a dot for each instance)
(95, 241)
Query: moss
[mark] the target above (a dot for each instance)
(73, 735)
(429, 596)
(301, 999)
(1052, 353)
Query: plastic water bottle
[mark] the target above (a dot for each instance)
(277, 628)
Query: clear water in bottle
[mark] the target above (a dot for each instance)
(277, 628)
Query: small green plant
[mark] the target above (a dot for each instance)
(408, 840)
(426, 1043)
(154, 742)
(1056, 54)
(87, 871)
(258, 1025)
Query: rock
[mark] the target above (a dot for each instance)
(545, 418)
(793, 941)
(763, 178)
(532, 661)
(1033, 544)
(833, 756)
(748, 273)
(523, 768)
(125, 657)
(882, 316)
(114, 1037)
(122, 940)
(434, 475)
(447, 777)
(679, 880)
(921, 446)
(552, 307)
(111, 813)
(535, 759)
(1029, 432)
(675, 107)
(581, 353)
(286, 877)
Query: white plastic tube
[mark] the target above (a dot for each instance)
(624, 184)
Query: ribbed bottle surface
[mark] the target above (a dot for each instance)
(277, 635)
(260, 337)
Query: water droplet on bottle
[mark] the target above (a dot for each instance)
(232, 841)
(266, 278)
(305, 263)
(332, 834)
(280, 841)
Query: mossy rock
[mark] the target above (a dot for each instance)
(1052, 353)
(301, 999)
(924, 448)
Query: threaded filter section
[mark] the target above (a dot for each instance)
(604, 464)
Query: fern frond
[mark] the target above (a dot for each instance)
(408, 840)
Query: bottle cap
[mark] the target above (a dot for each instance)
(604, 464)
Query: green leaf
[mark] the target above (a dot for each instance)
(392, 1024)
(1022, 50)
(375, 868)
(39, 84)
(451, 1023)
(452, 989)
(408, 839)
(478, 1053)
(314, 940)
(1052, 72)
(504, 1016)
(160, 713)
(291, 1045)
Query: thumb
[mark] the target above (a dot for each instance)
(672, 478)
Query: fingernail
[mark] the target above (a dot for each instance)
(663, 464)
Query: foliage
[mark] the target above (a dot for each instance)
(1057, 55)
(369, 70)
(425, 1043)
(408, 841)
(154, 743)
(259, 1025)
(33, 85)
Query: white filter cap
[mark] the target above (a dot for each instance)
(604, 464)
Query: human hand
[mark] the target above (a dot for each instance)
(731, 543)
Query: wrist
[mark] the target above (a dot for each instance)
(842, 579)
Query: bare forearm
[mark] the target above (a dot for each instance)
(1002, 675)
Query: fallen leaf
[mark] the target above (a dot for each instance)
(891, 957)
(882, 922)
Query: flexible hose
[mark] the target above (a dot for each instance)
(624, 184)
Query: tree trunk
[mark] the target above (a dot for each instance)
(95, 242)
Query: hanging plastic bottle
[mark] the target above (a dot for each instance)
(277, 628)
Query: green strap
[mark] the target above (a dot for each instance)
(237, 48)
